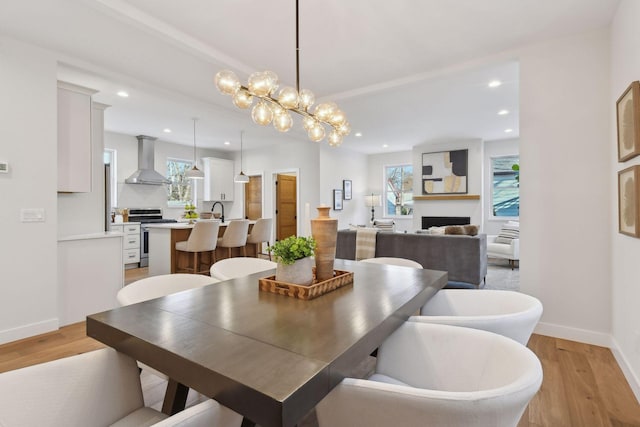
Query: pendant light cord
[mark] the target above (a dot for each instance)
(194, 141)
(297, 51)
(241, 132)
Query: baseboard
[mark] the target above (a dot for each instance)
(631, 377)
(30, 330)
(574, 334)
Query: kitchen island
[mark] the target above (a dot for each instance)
(163, 257)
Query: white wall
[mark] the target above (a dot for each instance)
(565, 188)
(625, 68)
(376, 184)
(470, 208)
(28, 141)
(504, 147)
(336, 165)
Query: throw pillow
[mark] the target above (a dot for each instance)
(508, 233)
(470, 230)
(454, 229)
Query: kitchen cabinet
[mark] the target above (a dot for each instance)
(74, 138)
(218, 179)
(130, 243)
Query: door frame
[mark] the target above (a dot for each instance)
(274, 178)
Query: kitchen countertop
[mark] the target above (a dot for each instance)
(88, 236)
(183, 225)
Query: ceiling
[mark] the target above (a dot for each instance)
(404, 72)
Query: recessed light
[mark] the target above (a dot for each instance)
(358, 134)
(227, 143)
(385, 145)
(167, 130)
(503, 112)
(508, 130)
(123, 94)
(495, 83)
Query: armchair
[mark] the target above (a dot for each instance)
(510, 251)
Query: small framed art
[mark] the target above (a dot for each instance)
(628, 201)
(628, 122)
(337, 200)
(346, 189)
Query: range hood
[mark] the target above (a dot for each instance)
(145, 173)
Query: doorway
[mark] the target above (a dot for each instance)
(286, 207)
(253, 198)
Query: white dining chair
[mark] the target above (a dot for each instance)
(438, 375)
(403, 262)
(159, 286)
(509, 313)
(202, 239)
(235, 236)
(97, 388)
(230, 268)
(261, 232)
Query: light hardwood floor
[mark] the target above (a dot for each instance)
(582, 386)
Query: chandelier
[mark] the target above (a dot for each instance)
(275, 106)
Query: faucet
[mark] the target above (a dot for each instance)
(222, 206)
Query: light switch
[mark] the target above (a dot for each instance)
(4, 167)
(32, 215)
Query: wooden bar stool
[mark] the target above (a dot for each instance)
(261, 232)
(235, 236)
(203, 238)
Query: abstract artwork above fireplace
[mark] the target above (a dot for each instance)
(445, 172)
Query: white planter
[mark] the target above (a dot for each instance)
(298, 273)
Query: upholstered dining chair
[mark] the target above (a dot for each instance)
(159, 286)
(261, 232)
(509, 313)
(235, 236)
(438, 375)
(403, 262)
(230, 268)
(203, 238)
(97, 388)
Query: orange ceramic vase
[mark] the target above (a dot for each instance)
(324, 230)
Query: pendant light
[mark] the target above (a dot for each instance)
(194, 172)
(241, 177)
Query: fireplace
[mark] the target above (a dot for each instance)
(439, 221)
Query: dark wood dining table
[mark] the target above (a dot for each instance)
(269, 357)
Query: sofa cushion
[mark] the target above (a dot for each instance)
(508, 233)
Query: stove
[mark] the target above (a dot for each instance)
(146, 216)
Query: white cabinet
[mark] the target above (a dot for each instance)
(74, 138)
(218, 179)
(130, 243)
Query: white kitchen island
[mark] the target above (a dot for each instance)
(163, 258)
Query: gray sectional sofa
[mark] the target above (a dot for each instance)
(463, 257)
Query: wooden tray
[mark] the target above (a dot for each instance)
(340, 279)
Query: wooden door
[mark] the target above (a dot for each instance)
(253, 198)
(286, 207)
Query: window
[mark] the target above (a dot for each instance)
(398, 197)
(181, 190)
(505, 191)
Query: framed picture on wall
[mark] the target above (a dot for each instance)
(445, 172)
(346, 188)
(629, 201)
(337, 200)
(628, 122)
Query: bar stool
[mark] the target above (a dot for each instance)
(261, 232)
(203, 238)
(235, 236)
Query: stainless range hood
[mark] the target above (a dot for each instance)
(145, 173)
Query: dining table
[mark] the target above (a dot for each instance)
(267, 356)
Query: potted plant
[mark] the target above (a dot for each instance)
(293, 256)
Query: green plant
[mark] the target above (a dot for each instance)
(516, 169)
(293, 248)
